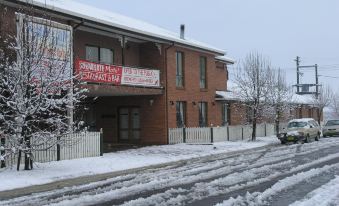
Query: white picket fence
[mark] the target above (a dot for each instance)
(72, 146)
(218, 134)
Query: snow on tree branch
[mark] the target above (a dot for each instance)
(38, 91)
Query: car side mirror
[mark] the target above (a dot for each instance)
(311, 126)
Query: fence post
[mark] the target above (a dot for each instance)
(58, 149)
(184, 134)
(212, 135)
(19, 160)
(242, 133)
(2, 145)
(228, 133)
(265, 130)
(101, 142)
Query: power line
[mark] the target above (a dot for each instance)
(328, 76)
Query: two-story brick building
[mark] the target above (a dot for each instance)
(157, 79)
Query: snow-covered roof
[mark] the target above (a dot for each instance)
(302, 99)
(301, 120)
(108, 18)
(225, 59)
(231, 94)
(227, 95)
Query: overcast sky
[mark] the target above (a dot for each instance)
(279, 29)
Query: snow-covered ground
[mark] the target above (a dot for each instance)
(117, 161)
(264, 176)
(266, 173)
(327, 194)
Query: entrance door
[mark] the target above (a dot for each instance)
(129, 124)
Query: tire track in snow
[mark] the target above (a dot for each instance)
(263, 198)
(206, 170)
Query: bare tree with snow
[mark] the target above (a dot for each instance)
(335, 104)
(279, 96)
(252, 80)
(322, 100)
(38, 91)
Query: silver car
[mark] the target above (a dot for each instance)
(331, 128)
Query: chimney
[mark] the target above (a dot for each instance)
(182, 31)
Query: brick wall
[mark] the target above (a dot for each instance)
(191, 93)
(238, 113)
(156, 119)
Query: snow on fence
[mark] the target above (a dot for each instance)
(217, 134)
(73, 146)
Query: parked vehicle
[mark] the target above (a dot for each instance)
(300, 130)
(331, 128)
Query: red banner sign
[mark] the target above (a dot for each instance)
(117, 75)
(94, 72)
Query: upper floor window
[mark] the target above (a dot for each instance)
(92, 53)
(106, 56)
(179, 69)
(98, 54)
(202, 114)
(181, 114)
(203, 72)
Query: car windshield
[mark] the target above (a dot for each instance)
(332, 122)
(296, 124)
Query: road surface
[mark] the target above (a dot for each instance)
(275, 175)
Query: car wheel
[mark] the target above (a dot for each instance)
(317, 137)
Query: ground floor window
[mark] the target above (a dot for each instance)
(225, 113)
(249, 114)
(202, 114)
(300, 115)
(181, 114)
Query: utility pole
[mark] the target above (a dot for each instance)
(316, 81)
(298, 85)
(297, 61)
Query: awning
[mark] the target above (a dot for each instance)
(225, 96)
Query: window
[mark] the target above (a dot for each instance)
(181, 114)
(225, 109)
(202, 114)
(297, 124)
(92, 53)
(249, 114)
(202, 72)
(106, 56)
(179, 69)
(97, 54)
(332, 123)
